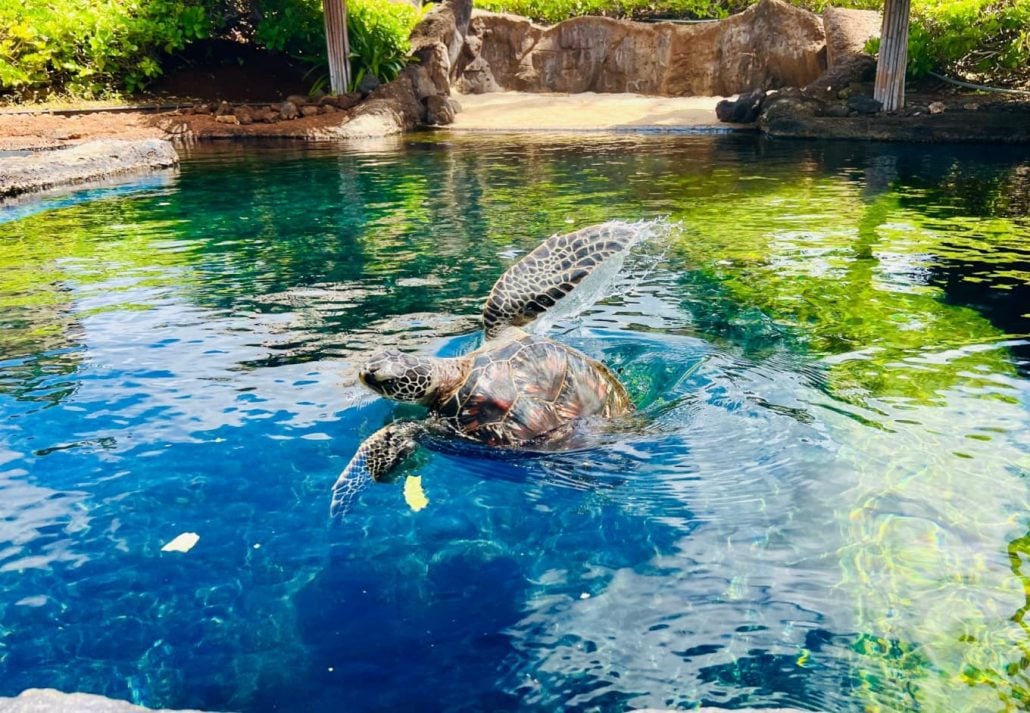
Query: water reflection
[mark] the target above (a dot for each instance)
(822, 502)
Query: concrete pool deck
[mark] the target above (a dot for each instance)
(519, 111)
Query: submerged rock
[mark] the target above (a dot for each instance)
(48, 700)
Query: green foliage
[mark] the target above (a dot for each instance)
(378, 34)
(987, 39)
(90, 48)
(291, 26)
(377, 31)
(93, 47)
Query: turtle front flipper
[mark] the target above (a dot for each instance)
(552, 270)
(374, 460)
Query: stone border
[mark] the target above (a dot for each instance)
(87, 162)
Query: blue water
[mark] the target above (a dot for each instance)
(818, 507)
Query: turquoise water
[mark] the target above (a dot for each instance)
(824, 504)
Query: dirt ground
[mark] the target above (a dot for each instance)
(502, 111)
(45, 131)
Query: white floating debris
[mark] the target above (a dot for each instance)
(585, 595)
(182, 543)
(257, 545)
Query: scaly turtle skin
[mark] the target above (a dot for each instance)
(518, 389)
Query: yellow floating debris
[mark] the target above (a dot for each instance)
(414, 496)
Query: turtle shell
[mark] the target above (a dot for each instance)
(528, 388)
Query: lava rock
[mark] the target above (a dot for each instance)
(288, 110)
(862, 104)
(243, 115)
(744, 110)
(223, 109)
(937, 107)
(438, 111)
(368, 84)
(309, 110)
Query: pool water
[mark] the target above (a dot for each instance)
(823, 504)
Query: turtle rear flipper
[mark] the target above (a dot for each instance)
(375, 459)
(551, 271)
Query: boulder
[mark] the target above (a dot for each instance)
(847, 32)
(368, 84)
(847, 62)
(439, 110)
(863, 104)
(243, 115)
(856, 68)
(346, 101)
(770, 44)
(743, 110)
(288, 110)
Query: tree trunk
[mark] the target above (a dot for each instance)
(890, 68)
(337, 45)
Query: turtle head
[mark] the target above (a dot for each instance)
(404, 377)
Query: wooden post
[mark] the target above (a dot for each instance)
(337, 45)
(890, 68)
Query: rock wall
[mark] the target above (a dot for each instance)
(771, 44)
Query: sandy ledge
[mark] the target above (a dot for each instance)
(588, 111)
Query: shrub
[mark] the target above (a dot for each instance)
(988, 39)
(90, 48)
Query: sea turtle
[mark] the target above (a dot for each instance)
(518, 390)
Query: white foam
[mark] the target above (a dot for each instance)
(612, 276)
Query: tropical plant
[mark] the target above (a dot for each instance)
(90, 48)
(988, 39)
(378, 34)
